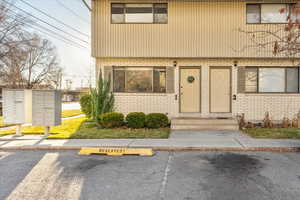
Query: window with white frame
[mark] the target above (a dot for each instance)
(131, 13)
(139, 79)
(270, 13)
(272, 80)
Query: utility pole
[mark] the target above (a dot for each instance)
(60, 80)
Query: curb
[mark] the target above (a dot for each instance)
(173, 149)
(230, 149)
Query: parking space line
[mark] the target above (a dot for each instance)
(165, 178)
(45, 181)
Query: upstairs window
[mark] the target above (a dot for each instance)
(274, 13)
(295, 10)
(268, 13)
(139, 13)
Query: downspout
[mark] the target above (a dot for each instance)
(87, 5)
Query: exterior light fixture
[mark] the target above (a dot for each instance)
(174, 63)
(235, 63)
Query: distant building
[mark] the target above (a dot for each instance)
(73, 95)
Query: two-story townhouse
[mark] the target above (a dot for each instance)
(188, 58)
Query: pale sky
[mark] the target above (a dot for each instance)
(77, 62)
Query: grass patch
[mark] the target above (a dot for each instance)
(89, 131)
(81, 128)
(274, 133)
(68, 127)
(70, 113)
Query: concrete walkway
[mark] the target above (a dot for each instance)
(208, 135)
(233, 141)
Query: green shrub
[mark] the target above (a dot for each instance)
(156, 120)
(136, 120)
(102, 99)
(86, 106)
(112, 120)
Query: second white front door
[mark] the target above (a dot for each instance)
(220, 89)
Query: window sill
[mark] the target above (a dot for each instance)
(139, 94)
(282, 23)
(271, 94)
(141, 23)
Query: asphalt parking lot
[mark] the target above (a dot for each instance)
(167, 175)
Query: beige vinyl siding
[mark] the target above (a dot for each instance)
(195, 29)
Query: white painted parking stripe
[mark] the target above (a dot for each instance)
(46, 181)
(165, 178)
(4, 154)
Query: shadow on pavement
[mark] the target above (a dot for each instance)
(14, 168)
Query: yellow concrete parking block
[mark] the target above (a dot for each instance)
(116, 151)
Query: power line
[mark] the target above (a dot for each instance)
(34, 23)
(65, 40)
(52, 34)
(72, 11)
(49, 32)
(86, 4)
(59, 21)
(47, 23)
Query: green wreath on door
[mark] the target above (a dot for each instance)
(190, 79)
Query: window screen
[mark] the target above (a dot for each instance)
(159, 80)
(271, 13)
(292, 76)
(271, 80)
(253, 13)
(251, 79)
(161, 13)
(140, 79)
(139, 13)
(117, 13)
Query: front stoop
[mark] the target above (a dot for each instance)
(204, 124)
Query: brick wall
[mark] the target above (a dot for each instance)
(253, 105)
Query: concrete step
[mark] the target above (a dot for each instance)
(204, 121)
(224, 127)
(204, 124)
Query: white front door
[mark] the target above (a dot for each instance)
(190, 90)
(220, 89)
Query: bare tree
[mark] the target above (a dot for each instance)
(26, 60)
(283, 40)
(11, 71)
(12, 33)
(13, 41)
(39, 65)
